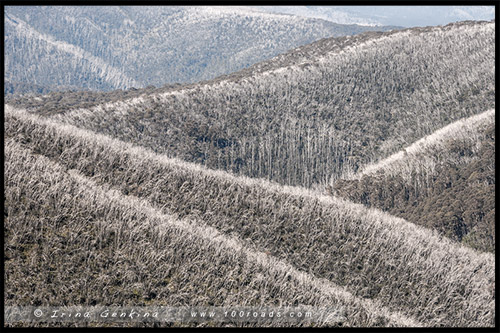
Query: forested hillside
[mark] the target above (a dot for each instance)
(182, 262)
(112, 47)
(127, 207)
(445, 181)
(355, 172)
(316, 113)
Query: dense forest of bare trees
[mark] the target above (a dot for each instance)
(445, 182)
(358, 100)
(216, 193)
(124, 261)
(368, 253)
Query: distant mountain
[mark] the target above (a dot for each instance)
(406, 16)
(106, 48)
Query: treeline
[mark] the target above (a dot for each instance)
(396, 264)
(310, 123)
(454, 193)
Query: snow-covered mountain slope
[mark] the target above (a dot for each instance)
(116, 47)
(31, 46)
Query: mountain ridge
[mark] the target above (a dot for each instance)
(200, 234)
(300, 56)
